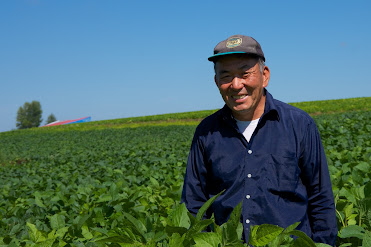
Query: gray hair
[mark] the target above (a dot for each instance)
(261, 64)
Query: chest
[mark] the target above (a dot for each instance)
(270, 159)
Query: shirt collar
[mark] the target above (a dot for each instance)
(270, 107)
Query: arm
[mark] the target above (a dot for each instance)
(193, 194)
(315, 175)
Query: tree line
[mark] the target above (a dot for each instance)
(30, 115)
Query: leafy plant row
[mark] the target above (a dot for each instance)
(100, 187)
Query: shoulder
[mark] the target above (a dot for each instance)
(217, 125)
(210, 122)
(297, 122)
(288, 112)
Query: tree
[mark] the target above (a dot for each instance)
(51, 119)
(29, 115)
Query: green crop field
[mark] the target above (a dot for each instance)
(118, 183)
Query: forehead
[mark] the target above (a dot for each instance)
(235, 61)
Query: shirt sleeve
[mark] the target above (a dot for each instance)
(193, 194)
(316, 178)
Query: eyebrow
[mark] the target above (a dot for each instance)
(246, 67)
(223, 71)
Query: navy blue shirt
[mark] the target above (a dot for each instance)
(281, 174)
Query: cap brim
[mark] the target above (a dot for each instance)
(216, 56)
(213, 58)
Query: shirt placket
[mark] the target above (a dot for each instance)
(249, 184)
(248, 191)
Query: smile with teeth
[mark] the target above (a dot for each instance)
(239, 96)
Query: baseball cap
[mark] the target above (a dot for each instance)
(237, 44)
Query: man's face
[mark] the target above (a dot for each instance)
(241, 84)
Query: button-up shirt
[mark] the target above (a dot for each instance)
(281, 174)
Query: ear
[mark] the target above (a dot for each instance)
(266, 76)
(216, 82)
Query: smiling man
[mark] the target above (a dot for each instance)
(261, 151)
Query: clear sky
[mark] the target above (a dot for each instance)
(115, 59)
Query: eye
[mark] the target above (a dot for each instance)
(225, 77)
(246, 75)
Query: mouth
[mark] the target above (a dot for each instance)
(237, 97)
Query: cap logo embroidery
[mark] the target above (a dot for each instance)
(233, 42)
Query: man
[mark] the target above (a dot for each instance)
(263, 152)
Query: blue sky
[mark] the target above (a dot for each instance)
(116, 59)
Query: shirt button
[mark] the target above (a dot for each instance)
(247, 221)
(249, 175)
(250, 151)
(247, 196)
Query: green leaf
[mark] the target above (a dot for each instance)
(61, 232)
(303, 239)
(132, 232)
(322, 245)
(352, 231)
(235, 216)
(86, 233)
(179, 217)
(191, 218)
(35, 235)
(263, 234)
(347, 194)
(175, 229)
(239, 230)
(300, 242)
(80, 220)
(38, 201)
(216, 228)
(176, 240)
(348, 210)
(139, 226)
(100, 230)
(367, 190)
(345, 245)
(231, 230)
(105, 198)
(57, 221)
(203, 209)
(159, 236)
(207, 239)
(114, 239)
(291, 228)
(52, 234)
(154, 182)
(198, 227)
(357, 177)
(284, 236)
(366, 239)
(363, 166)
(46, 243)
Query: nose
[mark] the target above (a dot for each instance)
(237, 83)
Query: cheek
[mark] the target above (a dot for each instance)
(223, 89)
(258, 84)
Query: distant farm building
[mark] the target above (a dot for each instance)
(79, 120)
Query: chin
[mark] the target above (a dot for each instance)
(241, 111)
